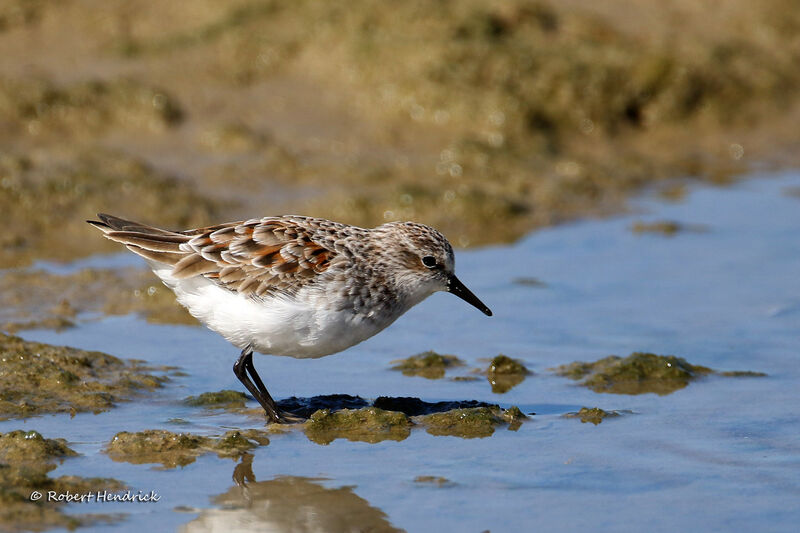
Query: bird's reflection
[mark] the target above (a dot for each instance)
(287, 504)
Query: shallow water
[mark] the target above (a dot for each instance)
(721, 454)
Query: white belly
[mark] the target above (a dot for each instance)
(276, 326)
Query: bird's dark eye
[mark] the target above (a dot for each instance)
(429, 261)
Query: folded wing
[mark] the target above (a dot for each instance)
(255, 257)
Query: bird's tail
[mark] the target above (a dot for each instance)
(154, 244)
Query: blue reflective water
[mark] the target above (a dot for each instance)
(721, 454)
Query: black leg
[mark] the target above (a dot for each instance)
(240, 369)
(251, 369)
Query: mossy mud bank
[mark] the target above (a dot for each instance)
(47, 195)
(641, 373)
(342, 416)
(26, 459)
(485, 119)
(180, 449)
(224, 399)
(503, 372)
(372, 424)
(335, 416)
(595, 415)
(429, 365)
(38, 378)
(667, 228)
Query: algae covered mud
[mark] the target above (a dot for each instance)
(482, 118)
(641, 372)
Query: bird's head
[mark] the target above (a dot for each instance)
(423, 262)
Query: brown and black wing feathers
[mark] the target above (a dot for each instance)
(254, 257)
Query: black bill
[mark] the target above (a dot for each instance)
(459, 289)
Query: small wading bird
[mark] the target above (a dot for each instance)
(295, 286)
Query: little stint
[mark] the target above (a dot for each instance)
(296, 286)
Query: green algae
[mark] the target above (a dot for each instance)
(476, 422)
(158, 446)
(29, 446)
(514, 417)
(234, 443)
(26, 458)
(436, 481)
(38, 378)
(505, 373)
(640, 373)
(391, 418)
(429, 365)
(502, 364)
(332, 417)
(668, 228)
(224, 399)
(595, 415)
(465, 378)
(368, 424)
(741, 374)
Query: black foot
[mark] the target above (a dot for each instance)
(244, 369)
